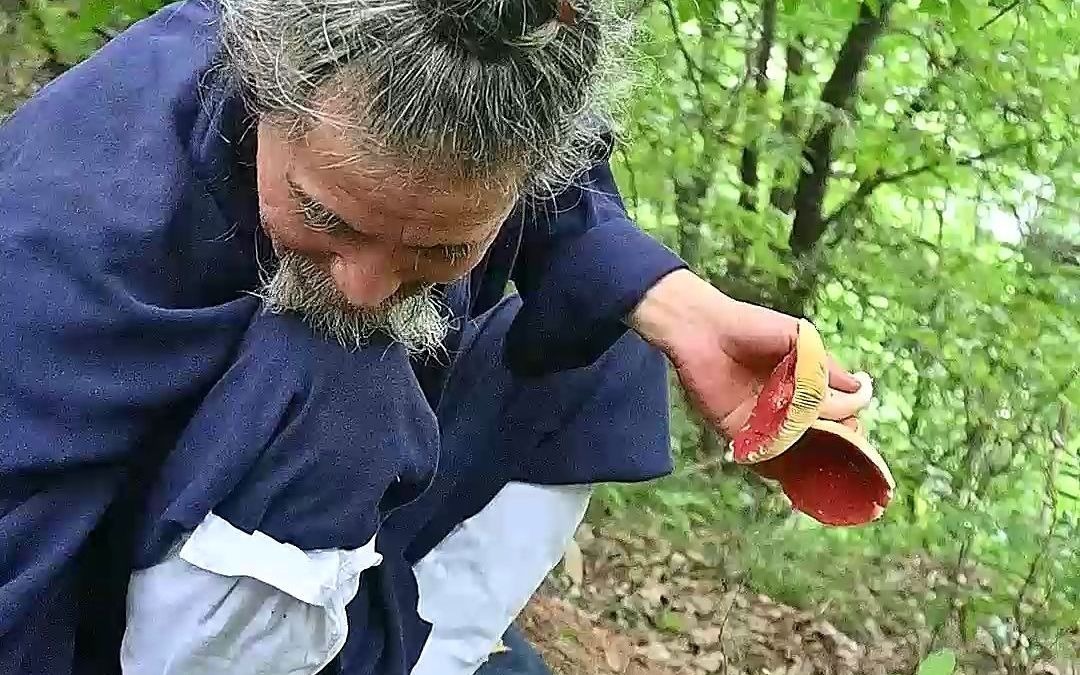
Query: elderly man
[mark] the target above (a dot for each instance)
(267, 406)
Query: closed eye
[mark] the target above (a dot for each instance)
(318, 218)
(455, 253)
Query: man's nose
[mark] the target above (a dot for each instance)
(363, 280)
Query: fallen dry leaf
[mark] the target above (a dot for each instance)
(711, 662)
(617, 654)
(574, 563)
(656, 652)
(646, 611)
(653, 593)
(706, 637)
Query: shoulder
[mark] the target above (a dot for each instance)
(101, 169)
(146, 79)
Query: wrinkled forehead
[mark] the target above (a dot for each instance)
(360, 180)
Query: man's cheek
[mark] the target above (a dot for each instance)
(477, 255)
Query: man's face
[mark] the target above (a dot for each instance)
(361, 244)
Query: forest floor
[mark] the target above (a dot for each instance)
(22, 69)
(632, 604)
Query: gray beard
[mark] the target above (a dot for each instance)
(417, 321)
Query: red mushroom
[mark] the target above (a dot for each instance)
(828, 469)
(788, 403)
(833, 474)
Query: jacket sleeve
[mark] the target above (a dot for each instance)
(92, 380)
(582, 266)
(113, 323)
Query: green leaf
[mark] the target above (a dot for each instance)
(958, 11)
(939, 663)
(670, 622)
(933, 7)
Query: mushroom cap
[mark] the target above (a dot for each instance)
(788, 403)
(833, 474)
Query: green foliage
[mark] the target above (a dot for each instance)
(949, 267)
(40, 38)
(71, 30)
(938, 663)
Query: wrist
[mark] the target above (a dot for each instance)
(681, 311)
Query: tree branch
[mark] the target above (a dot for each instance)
(688, 212)
(793, 57)
(837, 94)
(688, 196)
(629, 168)
(919, 101)
(748, 164)
(1049, 511)
(868, 186)
(1002, 12)
(698, 77)
(782, 195)
(693, 71)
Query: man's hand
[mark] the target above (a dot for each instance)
(724, 350)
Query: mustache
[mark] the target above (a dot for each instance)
(416, 319)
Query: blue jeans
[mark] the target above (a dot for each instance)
(522, 659)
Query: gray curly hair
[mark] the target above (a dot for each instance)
(481, 88)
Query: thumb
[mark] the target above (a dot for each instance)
(840, 378)
(840, 405)
(738, 417)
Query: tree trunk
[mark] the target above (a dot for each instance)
(782, 196)
(748, 165)
(838, 94)
(688, 200)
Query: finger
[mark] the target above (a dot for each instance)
(840, 405)
(840, 378)
(853, 424)
(738, 418)
(758, 336)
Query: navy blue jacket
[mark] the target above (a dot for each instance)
(129, 239)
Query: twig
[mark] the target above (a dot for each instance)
(105, 33)
(693, 70)
(918, 102)
(1002, 12)
(734, 596)
(868, 186)
(634, 197)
